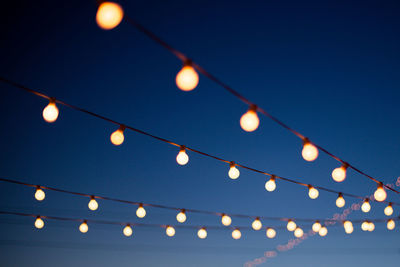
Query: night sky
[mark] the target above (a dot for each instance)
(329, 69)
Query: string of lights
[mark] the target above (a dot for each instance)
(51, 112)
(110, 14)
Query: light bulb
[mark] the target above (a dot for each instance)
(182, 158)
(170, 231)
(271, 233)
(340, 202)
(348, 227)
(390, 224)
(388, 210)
(366, 207)
(39, 194)
(236, 234)
(323, 231)
(298, 232)
(349, 230)
(181, 216)
(93, 204)
(380, 193)
(256, 225)
(291, 225)
(83, 227)
(250, 121)
(117, 137)
(316, 226)
(309, 152)
(339, 174)
(187, 78)
(109, 15)
(127, 231)
(312, 192)
(233, 171)
(50, 112)
(365, 226)
(270, 185)
(202, 233)
(140, 212)
(226, 220)
(39, 223)
(371, 226)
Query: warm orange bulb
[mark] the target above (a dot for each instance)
(117, 137)
(256, 225)
(187, 78)
(271, 233)
(39, 223)
(140, 212)
(233, 171)
(182, 158)
(93, 205)
(323, 231)
(83, 228)
(170, 231)
(202, 233)
(366, 207)
(388, 210)
(236, 234)
(390, 224)
(109, 15)
(181, 216)
(250, 121)
(312, 192)
(309, 152)
(340, 202)
(339, 174)
(39, 194)
(316, 226)
(380, 194)
(298, 232)
(270, 185)
(50, 112)
(226, 220)
(291, 225)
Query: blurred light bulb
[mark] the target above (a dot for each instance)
(339, 174)
(388, 210)
(323, 231)
(340, 202)
(371, 226)
(140, 212)
(365, 226)
(170, 231)
(187, 78)
(93, 204)
(127, 231)
(316, 226)
(83, 227)
(39, 194)
(270, 185)
(50, 112)
(348, 227)
(390, 224)
(366, 207)
(310, 152)
(380, 193)
(256, 225)
(109, 15)
(291, 225)
(233, 171)
(117, 137)
(39, 223)
(298, 232)
(271, 233)
(181, 216)
(250, 121)
(182, 157)
(202, 233)
(349, 230)
(312, 192)
(236, 234)
(226, 220)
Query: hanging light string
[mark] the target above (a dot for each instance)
(123, 127)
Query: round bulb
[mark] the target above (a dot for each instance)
(127, 230)
(339, 174)
(236, 234)
(50, 112)
(298, 232)
(323, 231)
(117, 137)
(371, 226)
(340, 202)
(170, 231)
(226, 220)
(391, 224)
(313, 192)
(39, 194)
(256, 225)
(83, 228)
(187, 78)
(366, 207)
(233, 172)
(291, 225)
(348, 227)
(310, 152)
(349, 230)
(380, 194)
(181, 217)
(39, 223)
(202, 233)
(140, 212)
(271, 233)
(249, 121)
(93, 204)
(109, 15)
(182, 157)
(365, 226)
(316, 226)
(388, 210)
(270, 185)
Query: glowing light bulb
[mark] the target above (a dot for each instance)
(236, 234)
(187, 78)
(291, 225)
(312, 192)
(366, 207)
(380, 193)
(388, 210)
(226, 220)
(256, 225)
(271, 233)
(365, 226)
(170, 231)
(339, 174)
(50, 112)
(202, 233)
(340, 202)
(83, 228)
(316, 226)
(390, 224)
(181, 216)
(109, 15)
(127, 231)
(39, 223)
(298, 232)
(309, 152)
(140, 212)
(348, 227)
(93, 204)
(270, 185)
(39, 194)
(371, 226)
(233, 171)
(117, 137)
(250, 121)
(323, 231)
(182, 158)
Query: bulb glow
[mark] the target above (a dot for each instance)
(83, 228)
(117, 137)
(271, 233)
(127, 231)
(140, 212)
(39, 223)
(348, 227)
(371, 226)
(291, 226)
(323, 231)
(93, 204)
(339, 174)
(170, 231)
(187, 78)
(50, 112)
(312, 192)
(340, 202)
(388, 210)
(270, 185)
(316, 226)
(365, 226)
(256, 225)
(109, 15)
(390, 224)
(380, 194)
(202, 233)
(298, 232)
(226, 220)
(250, 121)
(39, 194)
(309, 152)
(233, 172)
(366, 207)
(182, 158)
(181, 217)
(236, 234)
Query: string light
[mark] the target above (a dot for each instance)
(202, 233)
(236, 234)
(83, 228)
(93, 204)
(339, 174)
(39, 194)
(340, 202)
(181, 216)
(291, 225)
(366, 207)
(312, 192)
(117, 137)
(316, 226)
(39, 223)
(390, 224)
(250, 121)
(226, 220)
(233, 171)
(380, 193)
(371, 226)
(348, 227)
(127, 231)
(309, 152)
(365, 226)
(170, 231)
(256, 225)
(50, 112)
(109, 15)
(389, 209)
(182, 158)
(187, 78)
(323, 231)
(298, 232)
(271, 233)
(140, 212)
(270, 185)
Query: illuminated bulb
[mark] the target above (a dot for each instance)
(39, 223)
(187, 78)
(226, 220)
(170, 231)
(310, 152)
(390, 224)
(202, 233)
(298, 232)
(312, 192)
(256, 224)
(109, 15)
(291, 225)
(316, 226)
(339, 174)
(366, 207)
(93, 204)
(340, 202)
(380, 193)
(50, 112)
(233, 171)
(349, 230)
(270, 185)
(127, 230)
(323, 231)
(250, 121)
(271, 233)
(236, 234)
(181, 216)
(39, 194)
(388, 210)
(371, 226)
(348, 227)
(83, 227)
(182, 158)
(365, 226)
(140, 212)
(117, 137)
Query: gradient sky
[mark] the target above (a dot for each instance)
(329, 69)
